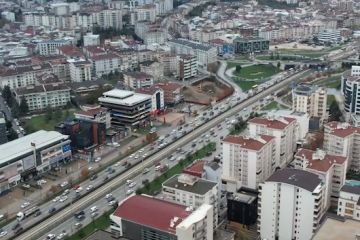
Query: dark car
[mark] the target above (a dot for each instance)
(16, 226)
(18, 230)
(52, 210)
(93, 177)
(80, 215)
(37, 213)
(106, 178)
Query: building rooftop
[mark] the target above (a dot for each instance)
(351, 189)
(342, 130)
(189, 183)
(192, 44)
(152, 212)
(103, 235)
(300, 178)
(319, 160)
(41, 88)
(251, 143)
(92, 112)
(332, 229)
(12, 70)
(21, 146)
(138, 75)
(274, 123)
(195, 169)
(123, 97)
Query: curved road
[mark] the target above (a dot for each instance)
(43, 227)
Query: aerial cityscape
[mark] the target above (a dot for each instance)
(180, 119)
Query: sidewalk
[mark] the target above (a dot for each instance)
(10, 203)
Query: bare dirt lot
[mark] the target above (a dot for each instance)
(171, 118)
(206, 91)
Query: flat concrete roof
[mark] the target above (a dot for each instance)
(122, 97)
(334, 230)
(21, 146)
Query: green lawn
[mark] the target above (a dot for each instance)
(156, 184)
(258, 71)
(245, 85)
(274, 105)
(41, 122)
(330, 99)
(334, 84)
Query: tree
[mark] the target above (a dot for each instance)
(238, 68)
(24, 107)
(84, 172)
(15, 109)
(334, 112)
(6, 93)
(278, 65)
(49, 113)
(12, 134)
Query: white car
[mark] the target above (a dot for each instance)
(3, 234)
(50, 236)
(112, 203)
(128, 182)
(25, 204)
(109, 195)
(56, 199)
(79, 189)
(61, 235)
(89, 187)
(130, 191)
(94, 214)
(64, 184)
(94, 209)
(117, 164)
(63, 198)
(133, 184)
(98, 159)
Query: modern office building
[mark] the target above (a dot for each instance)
(187, 66)
(310, 99)
(350, 83)
(192, 191)
(3, 137)
(343, 139)
(247, 161)
(329, 36)
(127, 109)
(283, 129)
(157, 98)
(250, 45)
(30, 155)
(349, 202)
(205, 53)
(290, 206)
(40, 97)
(331, 168)
(140, 217)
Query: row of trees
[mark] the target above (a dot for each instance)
(16, 108)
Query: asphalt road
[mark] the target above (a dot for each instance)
(7, 112)
(45, 226)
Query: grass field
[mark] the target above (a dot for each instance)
(245, 85)
(273, 105)
(330, 99)
(41, 122)
(258, 71)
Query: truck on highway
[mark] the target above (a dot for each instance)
(28, 212)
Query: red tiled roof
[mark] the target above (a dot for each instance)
(148, 90)
(70, 51)
(217, 41)
(196, 169)
(92, 112)
(94, 50)
(169, 86)
(151, 212)
(341, 130)
(273, 123)
(322, 165)
(249, 142)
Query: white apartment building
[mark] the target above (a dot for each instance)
(330, 168)
(145, 12)
(350, 83)
(329, 36)
(105, 64)
(164, 6)
(40, 97)
(155, 69)
(91, 39)
(310, 99)
(284, 131)
(205, 53)
(192, 191)
(343, 139)
(188, 67)
(170, 63)
(290, 206)
(108, 18)
(247, 161)
(349, 203)
(50, 47)
(144, 217)
(21, 76)
(135, 80)
(80, 70)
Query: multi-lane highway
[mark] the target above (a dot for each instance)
(51, 223)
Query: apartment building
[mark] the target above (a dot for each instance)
(134, 80)
(172, 92)
(91, 39)
(250, 45)
(343, 139)
(3, 137)
(290, 206)
(145, 12)
(22, 76)
(170, 63)
(247, 161)
(39, 97)
(143, 217)
(50, 47)
(331, 168)
(30, 155)
(283, 129)
(193, 192)
(349, 203)
(350, 83)
(310, 99)
(205, 53)
(105, 64)
(329, 36)
(127, 109)
(155, 69)
(96, 114)
(80, 70)
(187, 66)
(108, 18)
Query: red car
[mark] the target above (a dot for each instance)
(76, 186)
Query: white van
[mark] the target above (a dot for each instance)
(93, 209)
(157, 168)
